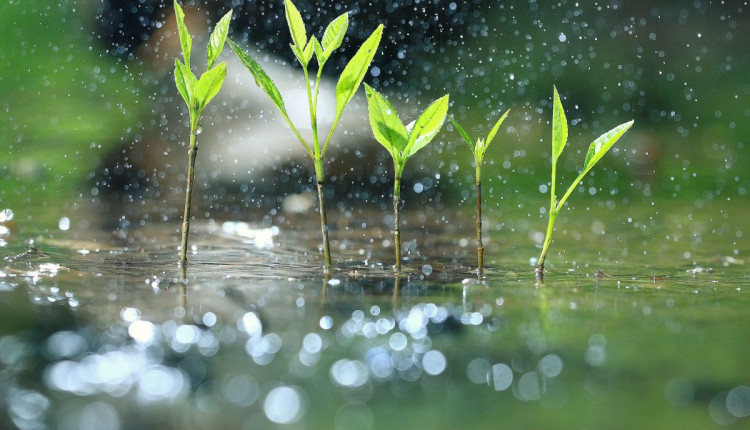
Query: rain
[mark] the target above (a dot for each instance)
(642, 305)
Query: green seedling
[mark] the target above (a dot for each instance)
(596, 151)
(478, 149)
(197, 92)
(402, 142)
(348, 83)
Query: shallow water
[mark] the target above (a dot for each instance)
(98, 332)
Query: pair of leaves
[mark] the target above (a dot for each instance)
(480, 148)
(401, 141)
(215, 43)
(303, 48)
(198, 92)
(596, 150)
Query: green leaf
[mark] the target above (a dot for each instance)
(559, 128)
(334, 33)
(320, 53)
(299, 54)
(602, 144)
(355, 71)
(427, 126)
(217, 39)
(261, 78)
(210, 84)
(179, 80)
(191, 86)
(309, 50)
(493, 132)
(186, 42)
(386, 126)
(464, 135)
(596, 151)
(296, 25)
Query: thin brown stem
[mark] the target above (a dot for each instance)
(480, 246)
(320, 176)
(397, 224)
(192, 152)
(324, 226)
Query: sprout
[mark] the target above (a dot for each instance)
(596, 151)
(402, 142)
(349, 81)
(197, 92)
(479, 149)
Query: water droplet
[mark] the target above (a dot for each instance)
(284, 405)
(64, 224)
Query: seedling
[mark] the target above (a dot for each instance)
(479, 149)
(402, 142)
(596, 151)
(197, 92)
(348, 83)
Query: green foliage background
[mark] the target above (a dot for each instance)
(63, 102)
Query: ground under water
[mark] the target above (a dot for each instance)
(642, 322)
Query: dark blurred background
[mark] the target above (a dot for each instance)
(86, 91)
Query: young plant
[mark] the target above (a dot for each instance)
(402, 142)
(348, 83)
(197, 92)
(479, 149)
(596, 151)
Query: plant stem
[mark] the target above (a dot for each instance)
(320, 177)
(553, 210)
(397, 223)
(480, 246)
(312, 105)
(547, 241)
(192, 152)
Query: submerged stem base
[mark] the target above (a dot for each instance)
(324, 225)
(539, 273)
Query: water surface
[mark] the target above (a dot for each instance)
(98, 332)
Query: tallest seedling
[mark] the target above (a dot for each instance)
(197, 93)
(304, 49)
(596, 151)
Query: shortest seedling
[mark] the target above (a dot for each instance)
(402, 142)
(197, 92)
(596, 151)
(479, 149)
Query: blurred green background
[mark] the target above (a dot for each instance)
(67, 101)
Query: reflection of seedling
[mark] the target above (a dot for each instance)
(197, 93)
(596, 151)
(347, 86)
(479, 150)
(402, 142)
